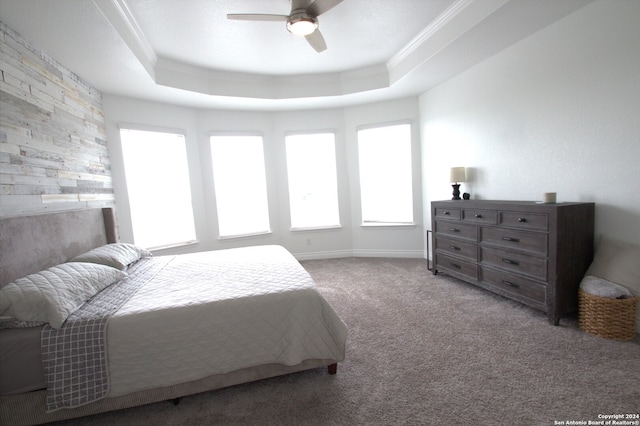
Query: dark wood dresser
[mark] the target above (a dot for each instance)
(533, 253)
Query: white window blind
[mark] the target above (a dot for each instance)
(312, 178)
(240, 185)
(157, 178)
(386, 189)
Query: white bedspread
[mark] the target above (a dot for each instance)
(215, 312)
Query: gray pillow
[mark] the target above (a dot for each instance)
(116, 255)
(53, 294)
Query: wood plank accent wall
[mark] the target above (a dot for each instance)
(53, 149)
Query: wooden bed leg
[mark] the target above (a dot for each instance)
(333, 368)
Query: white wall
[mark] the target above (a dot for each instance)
(350, 239)
(557, 112)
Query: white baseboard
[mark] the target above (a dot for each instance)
(406, 254)
(335, 254)
(410, 254)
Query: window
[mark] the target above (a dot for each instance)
(384, 155)
(313, 185)
(240, 184)
(157, 177)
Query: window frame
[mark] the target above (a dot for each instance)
(337, 225)
(385, 224)
(164, 130)
(249, 234)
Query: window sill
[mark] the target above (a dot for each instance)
(174, 245)
(389, 225)
(249, 235)
(316, 228)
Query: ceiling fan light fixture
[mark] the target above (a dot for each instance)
(302, 25)
(302, 21)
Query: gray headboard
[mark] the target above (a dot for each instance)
(29, 244)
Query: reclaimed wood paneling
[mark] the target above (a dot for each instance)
(53, 149)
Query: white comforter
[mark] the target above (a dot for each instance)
(215, 312)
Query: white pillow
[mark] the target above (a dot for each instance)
(603, 288)
(116, 255)
(53, 294)
(618, 262)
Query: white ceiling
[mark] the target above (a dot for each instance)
(187, 52)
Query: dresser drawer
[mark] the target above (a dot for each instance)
(512, 239)
(446, 213)
(479, 216)
(537, 221)
(457, 247)
(456, 229)
(514, 284)
(456, 266)
(515, 262)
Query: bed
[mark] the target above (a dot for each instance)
(137, 329)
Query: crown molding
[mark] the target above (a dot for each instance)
(120, 17)
(197, 79)
(455, 21)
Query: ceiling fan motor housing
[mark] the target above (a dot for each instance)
(301, 23)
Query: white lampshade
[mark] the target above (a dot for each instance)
(457, 174)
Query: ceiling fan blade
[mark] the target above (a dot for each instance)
(256, 17)
(316, 41)
(319, 7)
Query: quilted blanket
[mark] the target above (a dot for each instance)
(215, 312)
(74, 357)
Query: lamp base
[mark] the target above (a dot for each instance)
(456, 191)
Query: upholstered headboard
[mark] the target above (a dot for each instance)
(29, 244)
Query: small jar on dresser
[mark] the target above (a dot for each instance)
(530, 252)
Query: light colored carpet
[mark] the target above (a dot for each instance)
(427, 350)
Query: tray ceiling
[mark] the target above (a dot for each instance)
(189, 53)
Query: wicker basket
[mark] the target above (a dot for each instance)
(605, 317)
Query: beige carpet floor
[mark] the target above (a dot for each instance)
(425, 350)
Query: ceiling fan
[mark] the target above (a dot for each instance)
(302, 21)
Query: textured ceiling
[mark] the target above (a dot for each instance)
(358, 34)
(187, 52)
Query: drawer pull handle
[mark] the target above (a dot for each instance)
(447, 213)
(455, 265)
(511, 262)
(522, 219)
(510, 284)
(478, 216)
(515, 240)
(454, 230)
(454, 248)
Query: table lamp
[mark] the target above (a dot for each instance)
(457, 174)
